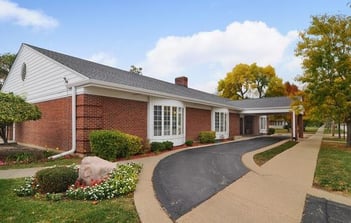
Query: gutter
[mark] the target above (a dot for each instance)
(115, 86)
(74, 125)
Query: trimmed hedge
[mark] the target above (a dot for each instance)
(207, 136)
(271, 131)
(157, 146)
(168, 145)
(111, 144)
(189, 142)
(161, 146)
(56, 180)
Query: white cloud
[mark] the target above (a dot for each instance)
(104, 58)
(25, 17)
(246, 42)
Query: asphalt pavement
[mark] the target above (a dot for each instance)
(325, 211)
(185, 179)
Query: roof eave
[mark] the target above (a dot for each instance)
(121, 87)
(268, 110)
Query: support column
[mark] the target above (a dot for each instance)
(300, 125)
(293, 126)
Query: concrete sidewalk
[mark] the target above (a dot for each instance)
(275, 192)
(18, 173)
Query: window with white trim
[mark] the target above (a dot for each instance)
(220, 121)
(168, 120)
(157, 120)
(263, 122)
(174, 120)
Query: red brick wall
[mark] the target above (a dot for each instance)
(125, 115)
(98, 112)
(197, 120)
(89, 117)
(234, 124)
(53, 130)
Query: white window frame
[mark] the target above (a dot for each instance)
(172, 121)
(263, 124)
(220, 122)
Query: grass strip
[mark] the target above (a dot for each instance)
(262, 158)
(333, 170)
(44, 163)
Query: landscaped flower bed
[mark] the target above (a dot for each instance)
(120, 181)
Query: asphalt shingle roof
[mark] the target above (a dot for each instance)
(269, 102)
(101, 72)
(105, 73)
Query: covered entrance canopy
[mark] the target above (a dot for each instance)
(260, 107)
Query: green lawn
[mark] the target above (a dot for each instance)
(281, 131)
(337, 139)
(333, 171)
(58, 162)
(262, 158)
(25, 209)
(311, 129)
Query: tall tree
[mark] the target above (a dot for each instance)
(237, 83)
(248, 81)
(325, 48)
(6, 61)
(15, 109)
(291, 89)
(276, 87)
(261, 78)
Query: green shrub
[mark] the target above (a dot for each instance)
(56, 179)
(111, 144)
(168, 145)
(271, 131)
(161, 146)
(24, 157)
(134, 144)
(189, 142)
(157, 147)
(207, 136)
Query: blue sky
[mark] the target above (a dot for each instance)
(202, 40)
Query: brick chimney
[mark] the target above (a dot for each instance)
(182, 81)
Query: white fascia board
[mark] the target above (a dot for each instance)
(273, 110)
(134, 90)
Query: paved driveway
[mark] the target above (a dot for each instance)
(185, 179)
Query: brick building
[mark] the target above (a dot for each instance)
(77, 96)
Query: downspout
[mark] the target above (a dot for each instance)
(74, 133)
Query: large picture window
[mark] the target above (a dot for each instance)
(168, 120)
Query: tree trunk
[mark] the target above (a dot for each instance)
(339, 129)
(3, 134)
(332, 128)
(348, 134)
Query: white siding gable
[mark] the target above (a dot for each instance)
(44, 77)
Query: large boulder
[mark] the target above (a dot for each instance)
(93, 168)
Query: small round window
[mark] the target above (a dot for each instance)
(24, 71)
